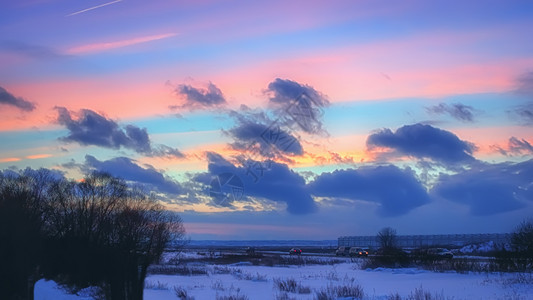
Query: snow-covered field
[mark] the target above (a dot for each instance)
(259, 282)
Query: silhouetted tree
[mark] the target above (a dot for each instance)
(22, 201)
(97, 232)
(522, 239)
(387, 239)
(104, 233)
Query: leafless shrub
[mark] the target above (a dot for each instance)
(182, 293)
(218, 286)
(284, 296)
(291, 285)
(253, 277)
(332, 292)
(519, 278)
(177, 270)
(232, 297)
(394, 297)
(224, 270)
(158, 285)
(421, 294)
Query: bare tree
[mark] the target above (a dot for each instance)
(522, 238)
(104, 233)
(22, 202)
(387, 238)
(97, 232)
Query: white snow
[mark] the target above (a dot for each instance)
(49, 290)
(257, 282)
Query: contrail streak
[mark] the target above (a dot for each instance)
(94, 7)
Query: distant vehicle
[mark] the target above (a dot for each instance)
(342, 251)
(359, 252)
(295, 251)
(250, 250)
(440, 252)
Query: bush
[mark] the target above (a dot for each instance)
(232, 297)
(284, 296)
(176, 270)
(421, 294)
(511, 261)
(522, 239)
(354, 291)
(417, 294)
(155, 285)
(392, 258)
(291, 285)
(182, 293)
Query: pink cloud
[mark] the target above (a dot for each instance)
(38, 156)
(9, 159)
(487, 139)
(420, 66)
(99, 47)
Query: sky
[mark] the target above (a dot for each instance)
(281, 119)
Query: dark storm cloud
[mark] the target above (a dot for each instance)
(257, 130)
(458, 111)
(489, 188)
(29, 50)
(285, 91)
(278, 183)
(210, 96)
(127, 169)
(92, 128)
(298, 103)
(424, 141)
(397, 191)
(7, 98)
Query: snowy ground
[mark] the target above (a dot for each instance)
(258, 282)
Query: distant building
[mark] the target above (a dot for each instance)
(416, 241)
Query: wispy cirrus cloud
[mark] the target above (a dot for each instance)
(100, 47)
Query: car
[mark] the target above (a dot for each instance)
(341, 251)
(359, 252)
(440, 252)
(250, 251)
(295, 251)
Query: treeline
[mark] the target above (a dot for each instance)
(515, 257)
(95, 232)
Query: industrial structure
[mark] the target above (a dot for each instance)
(419, 241)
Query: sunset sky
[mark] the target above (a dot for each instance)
(335, 117)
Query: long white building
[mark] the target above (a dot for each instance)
(416, 241)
